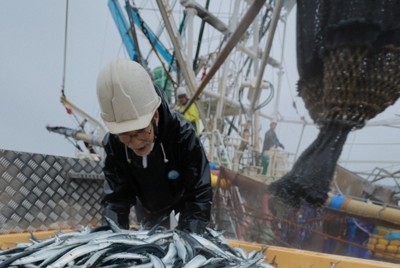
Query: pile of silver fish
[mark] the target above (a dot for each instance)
(114, 247)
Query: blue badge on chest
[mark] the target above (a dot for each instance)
(173, 175)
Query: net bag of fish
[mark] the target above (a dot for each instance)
(110, 246)
(348, 56)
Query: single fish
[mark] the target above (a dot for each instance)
(125, 256)
(19, 248)
(180, 247)
(171, 253)
(85, 238)
(155, 237)
(156, 261)
(94, 258)
(77, 252)
(40, 255)
(57, 255)
(196, 262)
(210, 245)
(122, 238)
(7, 262)
(113, 225)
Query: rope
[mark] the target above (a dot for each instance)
(195, 64)
(65, 49)
(133, 34)
(145, 32)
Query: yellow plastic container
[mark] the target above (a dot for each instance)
(280, 256)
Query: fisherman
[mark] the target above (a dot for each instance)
(192, 114)
(154, 160)
(271, 141)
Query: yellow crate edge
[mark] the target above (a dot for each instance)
(296, 258)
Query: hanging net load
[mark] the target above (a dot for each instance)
(357, 85)
(348, 54)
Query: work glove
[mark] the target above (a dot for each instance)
(119, 217)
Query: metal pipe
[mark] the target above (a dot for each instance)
(99, 127)
(132, 32)
(363, 209)
(267, 50)
(77, 135)
(206, 15)
(222, 84)
(188, 73)
(191, 12)
(230, 44)
(280, 73)
(203, 22)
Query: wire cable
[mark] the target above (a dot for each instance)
(65, 49)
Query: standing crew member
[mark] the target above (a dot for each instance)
(270, 141)
(154, 159)
(192, 114)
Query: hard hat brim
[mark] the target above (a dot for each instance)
(130, 125)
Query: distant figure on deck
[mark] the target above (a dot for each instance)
(192, 114)
(271, 141)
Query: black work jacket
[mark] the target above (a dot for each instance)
(271, 140)
(177, 179)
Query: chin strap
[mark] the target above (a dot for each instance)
(163, 151)
(128, 159)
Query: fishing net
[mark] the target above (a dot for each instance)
(357, 85)
(348, 56)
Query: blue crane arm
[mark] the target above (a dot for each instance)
(153, 38)
(123, 27)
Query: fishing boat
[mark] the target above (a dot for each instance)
(232, 58)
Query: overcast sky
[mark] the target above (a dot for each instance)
(31, 68)
(31, 75)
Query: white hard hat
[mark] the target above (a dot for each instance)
(180, 91)
(126, 95)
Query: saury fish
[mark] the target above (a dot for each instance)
(159, 248)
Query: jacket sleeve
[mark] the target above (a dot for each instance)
(197, 181)
(277, 143)
(118, 194)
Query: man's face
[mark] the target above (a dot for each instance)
(140, 141)
(182, 99)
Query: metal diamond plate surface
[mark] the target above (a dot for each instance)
(42, 192)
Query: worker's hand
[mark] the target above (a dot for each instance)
(117, 213)
(119, 219)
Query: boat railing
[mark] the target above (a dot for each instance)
(278, 163)
(238, 154)
(216, 150)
